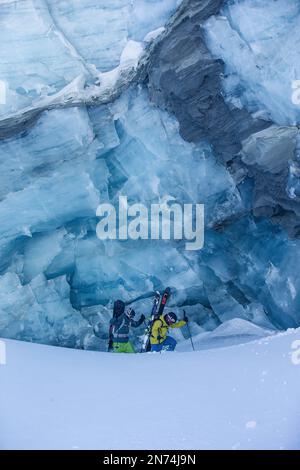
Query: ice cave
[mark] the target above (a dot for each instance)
(148, 99)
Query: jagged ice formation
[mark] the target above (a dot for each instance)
(150, 99)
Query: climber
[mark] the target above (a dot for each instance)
(119, 328)
(159, 339)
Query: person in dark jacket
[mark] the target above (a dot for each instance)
(120, 326)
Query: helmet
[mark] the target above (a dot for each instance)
(170, 318)
(119, 307)
(130, 313)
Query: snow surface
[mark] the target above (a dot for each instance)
(240, 397)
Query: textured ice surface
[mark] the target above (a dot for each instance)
(45, 44)
(138, 153)
(40, 311)
(259, 42)
(57, 279)
(34, 59)
(44, 180)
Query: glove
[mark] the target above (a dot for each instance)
(143, 318)
(130, 314)
(159, 338)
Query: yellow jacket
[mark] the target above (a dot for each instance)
(160, 328)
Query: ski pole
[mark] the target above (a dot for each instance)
(189, 330)
(145, 340)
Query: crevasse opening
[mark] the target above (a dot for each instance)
(62, 153)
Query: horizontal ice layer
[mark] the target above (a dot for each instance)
(45, 45)
(260, 45)
(35, 61)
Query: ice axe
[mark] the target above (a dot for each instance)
(189, 330)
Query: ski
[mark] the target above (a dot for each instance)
(164, 300)
(159, 304)
(146, 338)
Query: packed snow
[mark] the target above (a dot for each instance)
(239, 397)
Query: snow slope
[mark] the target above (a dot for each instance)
(240, 397)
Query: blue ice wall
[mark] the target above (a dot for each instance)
(57, 279)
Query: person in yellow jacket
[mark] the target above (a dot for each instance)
(159, 338)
